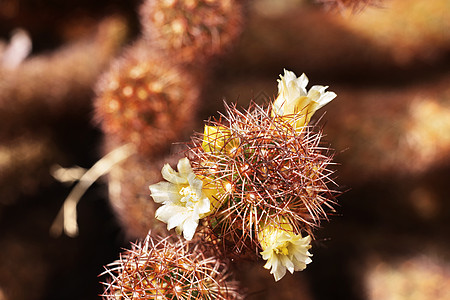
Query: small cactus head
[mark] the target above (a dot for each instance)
(146, 100)
(268, 168)
(192, 30)
(161, 269)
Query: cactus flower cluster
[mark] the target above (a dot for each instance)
(258, 179)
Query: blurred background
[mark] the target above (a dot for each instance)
(388, 62)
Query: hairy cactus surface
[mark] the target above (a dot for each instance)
(266, 169)
(160, 269)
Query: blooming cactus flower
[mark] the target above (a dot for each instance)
(183, 199)
(293, 98)
(283, 249)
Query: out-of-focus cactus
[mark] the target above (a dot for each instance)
(41, 94)
(192, 31)
(403, 130)
(45, 87)
(355, 5)
(146, 100)
(411, 31)
(24, 166)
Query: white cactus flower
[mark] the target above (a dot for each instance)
(283, 250)
(183, 199)
(293, 98)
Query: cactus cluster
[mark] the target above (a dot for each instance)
(254, 184)
(258, 179)
(255, 181)
(163, 269)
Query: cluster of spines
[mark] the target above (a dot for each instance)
(164, 269)
(267, 169)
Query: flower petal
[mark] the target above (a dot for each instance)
(178, 218)
(195, 184)
(172, 176)
(302, 82)
(326, 98)
(163, 192)
(293, 98)
(170, 214)
(278, 271)
(285, 261)
(204, 206)
(189, 227)
(184, 167)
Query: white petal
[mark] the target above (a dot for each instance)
(275, 263)
(320, 88)
(162, 192)
(302, 82)
(184, 167)
(285, 261)
(289, 75)
(195, 184)
(267, 254)
(279, 272)
(204, 206)
(189, 227)
(326, 98)
(172, 176)
(278, 105)
(268, 263)
(177, 219)
(299, 265)
(166, 212)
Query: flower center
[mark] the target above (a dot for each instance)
(282, 249)
(189, 196)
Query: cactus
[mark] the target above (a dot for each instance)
(267, 170)
(162, 269)
(146, 100)
(192, 31)
(257, 179)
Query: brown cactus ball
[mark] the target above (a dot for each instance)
(161, 269)
(268, 170)
(192, 30)
(146, 100)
